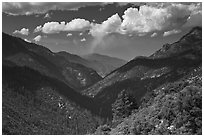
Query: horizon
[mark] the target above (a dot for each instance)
(111, 29)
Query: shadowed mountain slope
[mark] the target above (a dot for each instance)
(51, 64)
(33, 103)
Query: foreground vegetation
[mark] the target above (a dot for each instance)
(174, 108)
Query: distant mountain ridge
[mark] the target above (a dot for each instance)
(45, 61)
(104, 64)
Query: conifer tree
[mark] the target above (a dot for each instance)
(123, 106)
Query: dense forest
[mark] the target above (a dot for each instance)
(33, 107)
(173, 108)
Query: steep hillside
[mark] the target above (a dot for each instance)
(104, 64)
(51, 64)
(33, 103)
(143, 74)
(171, 109)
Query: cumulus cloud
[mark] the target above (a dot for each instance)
(56, 27)
(53, 27)
(153, 34)
(174, 31)
(148, 18)
(69, 34)
(47, 15)
(99, 31)
(112, 24)
(83, 40)
(37, 29)
(27, 8)
(141, 34)
(37, 38)
(23, 31)
(27, 40)
(130, 35)
(77, 25)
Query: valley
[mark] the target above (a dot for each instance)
(61, 93)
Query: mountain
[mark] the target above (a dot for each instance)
(159, 94)
(33, 103)
(104, 64)
(100, 63)
(143, 74)
(174, 108)
(45, 61)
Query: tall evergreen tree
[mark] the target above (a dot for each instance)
(123, 106)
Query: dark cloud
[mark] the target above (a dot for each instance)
(27, 8)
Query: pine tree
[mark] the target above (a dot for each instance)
(123, 106)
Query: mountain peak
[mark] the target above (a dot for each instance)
(197, 28)
(194, 34)
(189, 41)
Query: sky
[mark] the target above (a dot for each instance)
(123, 30)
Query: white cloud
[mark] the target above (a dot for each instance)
(78, 25)
(37, 29)
(99, 31)
(195, 8)
(27, 40)
(89, 33)
(153, 34)
(151, 18)
(141, 34)
(69, 34)
(53, 27)
(47, 15)
(37, 38)
(23, 31)
(171, 32)
(148, 19)
(130, 35)
(83, 40)
(112, 24)
(145, 20)
(56, 27)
